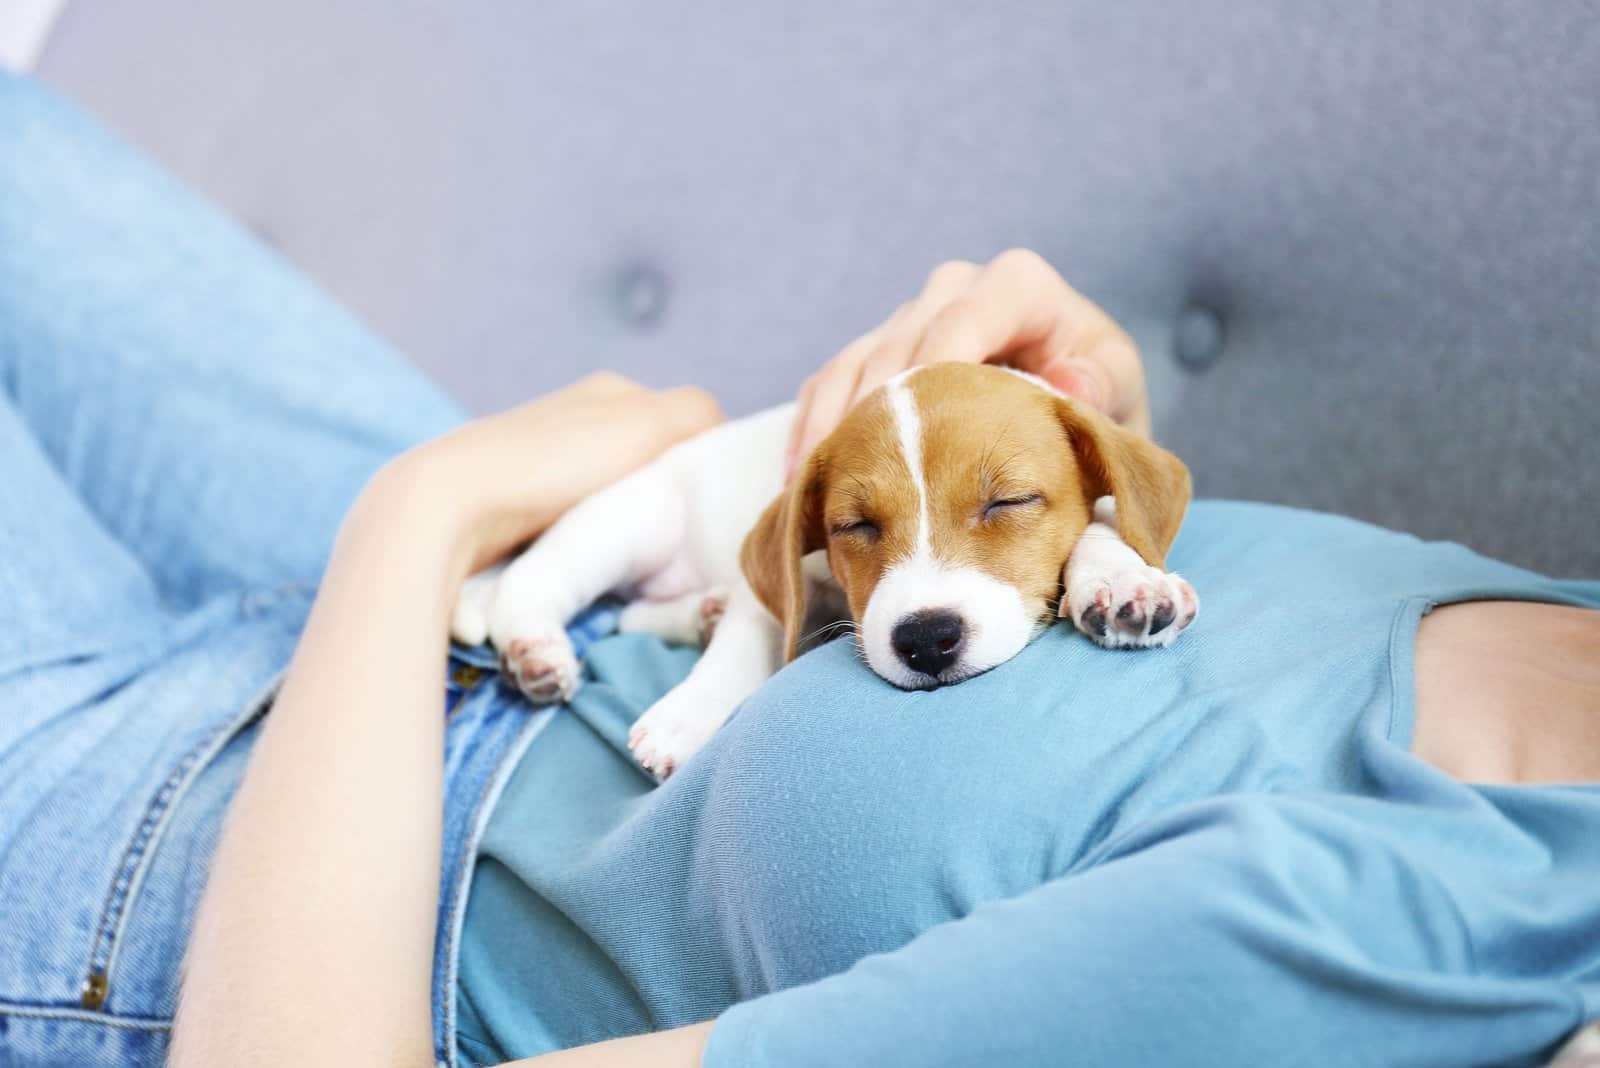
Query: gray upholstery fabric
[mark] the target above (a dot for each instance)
(1392, 210)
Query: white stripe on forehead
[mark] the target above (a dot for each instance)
(909, 425)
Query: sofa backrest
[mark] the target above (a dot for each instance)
(1372, 230)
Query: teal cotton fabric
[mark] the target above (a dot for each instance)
(1219, 853)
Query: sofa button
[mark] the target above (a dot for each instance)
(1198, 339)
(641, 294)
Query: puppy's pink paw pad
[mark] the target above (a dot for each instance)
(670, 733)
(1188, 605)
(712, 609)
(1134, 612)
(544, 669)
(1092, 620)
(654, 753)
(1135, 608)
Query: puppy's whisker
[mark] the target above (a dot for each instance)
(847, 624)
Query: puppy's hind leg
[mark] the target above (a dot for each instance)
(687, 620)
(609, 542)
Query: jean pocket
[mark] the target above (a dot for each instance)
(101, 873)
(148, 917)
(111, 805)
(122, 1012)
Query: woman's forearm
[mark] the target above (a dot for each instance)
(680, 1047)
(314, 939)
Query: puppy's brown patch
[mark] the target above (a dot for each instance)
(1010, 471)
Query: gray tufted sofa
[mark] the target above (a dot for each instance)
(1359, 243)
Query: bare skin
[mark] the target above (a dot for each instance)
(321, 926)
(1014, 310)
(1508, 692)
(318, 916)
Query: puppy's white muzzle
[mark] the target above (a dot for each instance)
(928, 624)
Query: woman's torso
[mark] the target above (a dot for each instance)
(1509, 692)
(835, 817)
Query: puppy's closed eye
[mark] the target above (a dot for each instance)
(857, 528)
(1004, 506)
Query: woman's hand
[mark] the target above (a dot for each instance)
(1014, 310)
(501, 480)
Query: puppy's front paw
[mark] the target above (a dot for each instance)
(544, 667)
(1134, 606)
(671, 731)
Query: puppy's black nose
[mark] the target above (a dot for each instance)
(928, 641)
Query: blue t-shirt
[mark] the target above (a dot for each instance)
(1220, 853)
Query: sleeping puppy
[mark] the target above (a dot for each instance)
(952, 515)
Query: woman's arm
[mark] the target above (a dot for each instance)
(681, 1047)
(314, 939)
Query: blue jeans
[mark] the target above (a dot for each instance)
(183, 422)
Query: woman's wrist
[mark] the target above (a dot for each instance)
(412, 507)
(492, 485)
(459, 502)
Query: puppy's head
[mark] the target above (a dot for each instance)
(948, 502)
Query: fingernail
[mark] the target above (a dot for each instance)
(1077, 378)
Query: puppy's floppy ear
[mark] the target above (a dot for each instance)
(790, 528)
(1150, 484)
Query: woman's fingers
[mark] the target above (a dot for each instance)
(949, 278)
(827, 397)
(505, 477)
(871, 360)
(802, 410)
(605, 384)
(903, 334)
(614, 423)
(1015, 303)
(1020, 311)
(688, 410)
(1015, 309)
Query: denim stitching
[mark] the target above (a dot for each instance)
(507, 760)
(469, 850)
(131, 873)
(133, 856)
(43, 1012)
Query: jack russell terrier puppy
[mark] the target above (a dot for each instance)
(952, 515)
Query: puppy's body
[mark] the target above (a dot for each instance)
(667, 539)
(944, 515)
